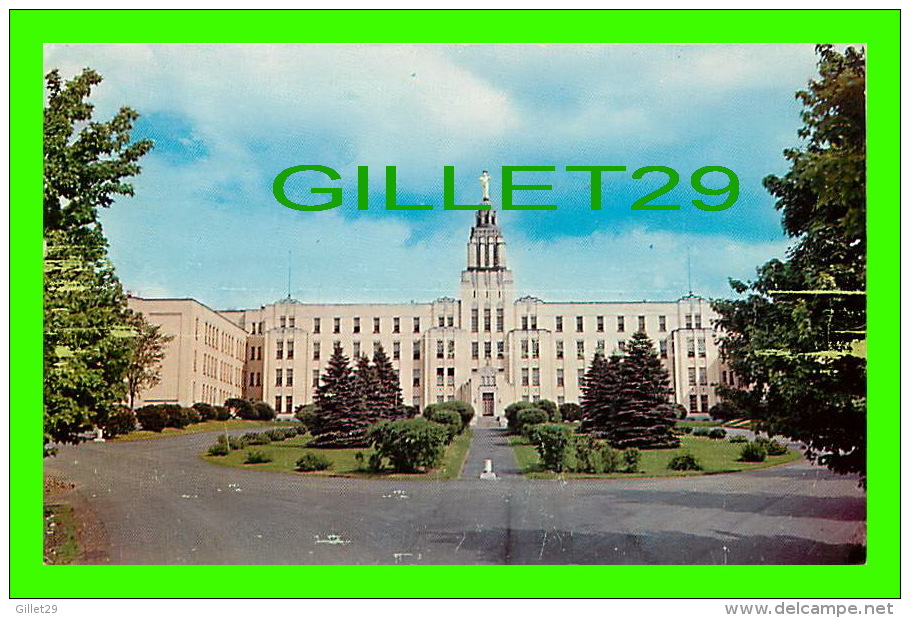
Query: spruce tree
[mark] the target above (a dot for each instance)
(599, 393)
(339, 422)
(388, 392)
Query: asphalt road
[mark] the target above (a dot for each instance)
(161, 504)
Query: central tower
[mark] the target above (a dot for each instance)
(487, 298)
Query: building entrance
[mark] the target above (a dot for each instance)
(488, 403)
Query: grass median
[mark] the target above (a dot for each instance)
(168, 432)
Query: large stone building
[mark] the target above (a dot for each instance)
(486, 347)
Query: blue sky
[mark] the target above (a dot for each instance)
(227, 119)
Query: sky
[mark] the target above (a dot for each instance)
(227, 119)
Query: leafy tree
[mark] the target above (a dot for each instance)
(625, 398)
(144, 370)
(87, 335)
(409, 444)
(340, 421)
(797, 338)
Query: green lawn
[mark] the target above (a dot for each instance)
(60, 543)
(685, 423)
(714, 456)
(344, 463)
(235, 423)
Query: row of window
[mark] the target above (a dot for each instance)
(288, 404)
(217, 339)
(693, 403)
(212, 367)
(212, 395)
(487, 320)
(702, 376)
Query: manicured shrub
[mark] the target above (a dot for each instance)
(256, 438)
(684, 461)
(152, 418)
(464, 410)
(723, 411)
(753, 451)
(205, 410)
(737, 438)
(717, 433)
(551, 409)
(592, 455)
(119, 420)
(554, 442)
(512, 411)
(175, 416)
(701, 431)
(408, 444)
(222, 413)
(257, 457)
(219, 449)
(306, 414)
(311, 462)
(263, 411)
(684, 429)
(631, 460)
(528, 417)
(570, 412)
(241, 408)
(775, 448)
(192, 416)
(277, 434)
(450, 419)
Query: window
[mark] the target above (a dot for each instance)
(581, 378)
(416, 377)
(416, 348)
(291, 321)
(697, 320)
(396, 325)
(601, 345)
(500, 319)
(688, 320)
(559, 349)
(693, 403)
(317, 326)
(252, 352)
(258, 378)
(703, 376)
(524, 376)
(440, 349)
(440, 376)
(289, 378)
(281, 321)
(559, 324)
(356, 349)
(662, 323)
(487, 326)
(416, 325)
(252, 379)
(376, 323)
(663, 348)
(261, 327)
(524, 348)
(396, 350)
(600, 324)
(315, 378)
(316, 350)
(622, 345)
(723, 377)
(579, 324)
(474, 320)
(702, 350)
(690, 347)
(580, 349)
(337, 325)
(289, 404)
(691, 376)
(524, 322)
(356, 325)
(641, 322)
(535, 348)
(279, 349)
(535, 376)
(451, 375)
(278, 377)
(704, 403)
(475, 350)
(620, 324)
(533, 322)
(451, 321)
(290, 350)
(451, 348)
(488, 349)
(259, 353)
(500, 349)
(278, 404)
(560, 378)
(442, 321)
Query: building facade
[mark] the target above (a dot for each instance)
(486, 347)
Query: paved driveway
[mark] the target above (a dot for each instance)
(161, 504)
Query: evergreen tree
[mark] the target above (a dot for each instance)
(87, 332)
(339, 419)
(624, 398)
(388, 392)
(365, 384)
(797, 339)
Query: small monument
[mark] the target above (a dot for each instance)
(488, 474)
(99, 435)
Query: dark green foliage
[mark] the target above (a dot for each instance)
(551, 409)
(554, 442)
(257, 438)
(176, 416)
(222, 413)
(625, 399)
(144, 369)
(753, 451)
(410, 411)
(631, 460)
(206, 411)
(276, 435)
(311, 462)
(464, 410)
(570, 412)
(684, 461)
(257, 457)
(724, 411)
(512, 411)
(591, 455)
(408, 444)
(235, 444)
(89, 339)
(775, 448)
(685, 429)
(241, 408)
(341, 419)
(737, 438)
(219, 449)
(528, 417)
(717, 433)
(152, 417)
(385, 401)
(263, 411)
(450, 419)
(306, 414)
(701, 431)
(801, 354)
(119, 420)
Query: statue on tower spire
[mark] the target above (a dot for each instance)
(485, 185)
